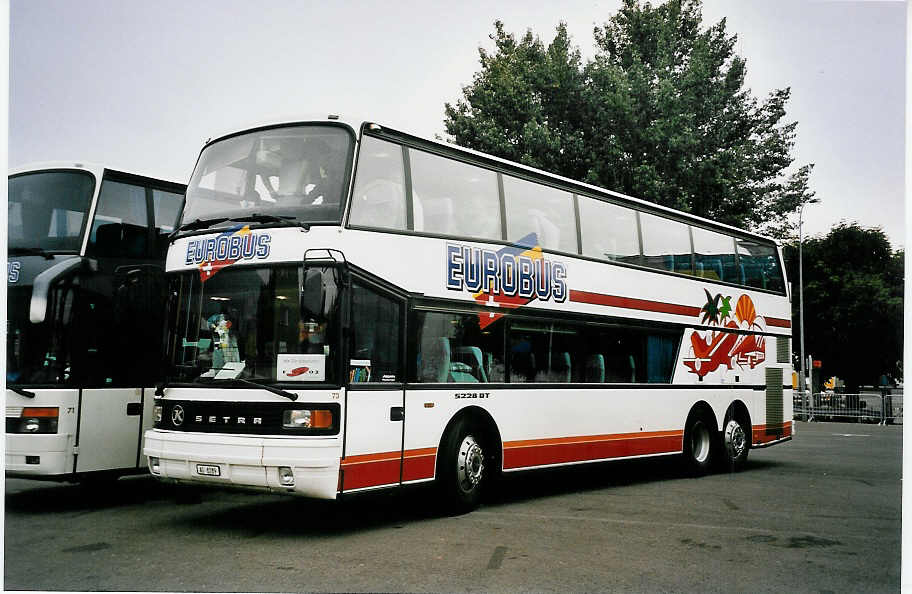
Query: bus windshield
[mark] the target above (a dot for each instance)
(250, 323)
(296, 171)
(48, 210)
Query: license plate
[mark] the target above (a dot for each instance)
(208, 470)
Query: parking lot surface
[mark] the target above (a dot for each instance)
(820, 513)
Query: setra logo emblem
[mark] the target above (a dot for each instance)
(177, 415)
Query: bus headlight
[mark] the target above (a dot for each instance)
(157, 414)
(35, 419)
(307, 418)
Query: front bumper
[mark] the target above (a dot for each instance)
(54, 454)
(247, 461)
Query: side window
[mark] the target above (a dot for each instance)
(166, 207)
(666, 244)
(543, 353)
(379, 196)
(609, 231)
(121, 225)
(454, 198)
(714, 255)
(375, 345)
(759, 265)
(456, 348)
(612, 355)
(541, 210)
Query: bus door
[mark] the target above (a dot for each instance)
(375, 398)
(109, 431)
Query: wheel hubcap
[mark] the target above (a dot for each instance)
(735, 439)
(469, 464)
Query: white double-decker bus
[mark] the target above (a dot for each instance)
(352, 307)
(85, 287)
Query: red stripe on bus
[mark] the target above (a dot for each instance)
(778, 322)
(540, 452)
(418, 464)
(766, 433)
(631, 303)
(374, 470)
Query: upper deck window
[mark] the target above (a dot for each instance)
(609, 231)
(47, 209)
(545, 211)
(666, 244)
(454, 198)
(714, 254)
(759, 266)
(297, 171)
(379, 196)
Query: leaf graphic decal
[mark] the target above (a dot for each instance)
(711, 309)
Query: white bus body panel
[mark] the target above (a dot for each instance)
(55, 451)
(372, 438)
(109, 437)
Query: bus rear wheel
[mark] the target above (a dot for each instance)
(698, 445)
(462, 470)
(736, 444)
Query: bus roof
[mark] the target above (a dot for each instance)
(474, 155)
(96, 169)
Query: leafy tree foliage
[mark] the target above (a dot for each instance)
(853, 303)
(660, 113)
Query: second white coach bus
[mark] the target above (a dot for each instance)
(352, 307)
(84, 317)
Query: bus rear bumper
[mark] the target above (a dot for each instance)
(247, 461)
(38, 455)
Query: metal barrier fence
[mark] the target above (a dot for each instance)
(866, 407)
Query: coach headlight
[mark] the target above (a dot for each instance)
(307, 418)
(157, 414)
(42, 419)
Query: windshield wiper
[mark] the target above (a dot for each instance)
(285, 220)
(290, 395)
(198, 224)
(247, 382)
(20, 391)
(31, 251)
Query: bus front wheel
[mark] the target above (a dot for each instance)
(462, 471)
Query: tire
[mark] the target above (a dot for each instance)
(735, 444)
(699, 445)
(463, 469)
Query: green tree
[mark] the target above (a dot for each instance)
(853, 303)
(660, 113)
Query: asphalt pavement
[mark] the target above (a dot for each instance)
(818, 514)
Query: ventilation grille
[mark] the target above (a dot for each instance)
(783, 350)
(774, 400)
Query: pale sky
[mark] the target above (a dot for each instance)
(142, 85)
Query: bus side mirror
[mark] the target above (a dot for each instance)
(313, 294)
(42, 286)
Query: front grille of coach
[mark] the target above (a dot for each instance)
(245, 418)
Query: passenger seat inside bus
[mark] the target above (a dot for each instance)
(595, 369)
(560, 367)
(471, 356)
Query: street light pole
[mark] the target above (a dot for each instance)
(802, 374)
